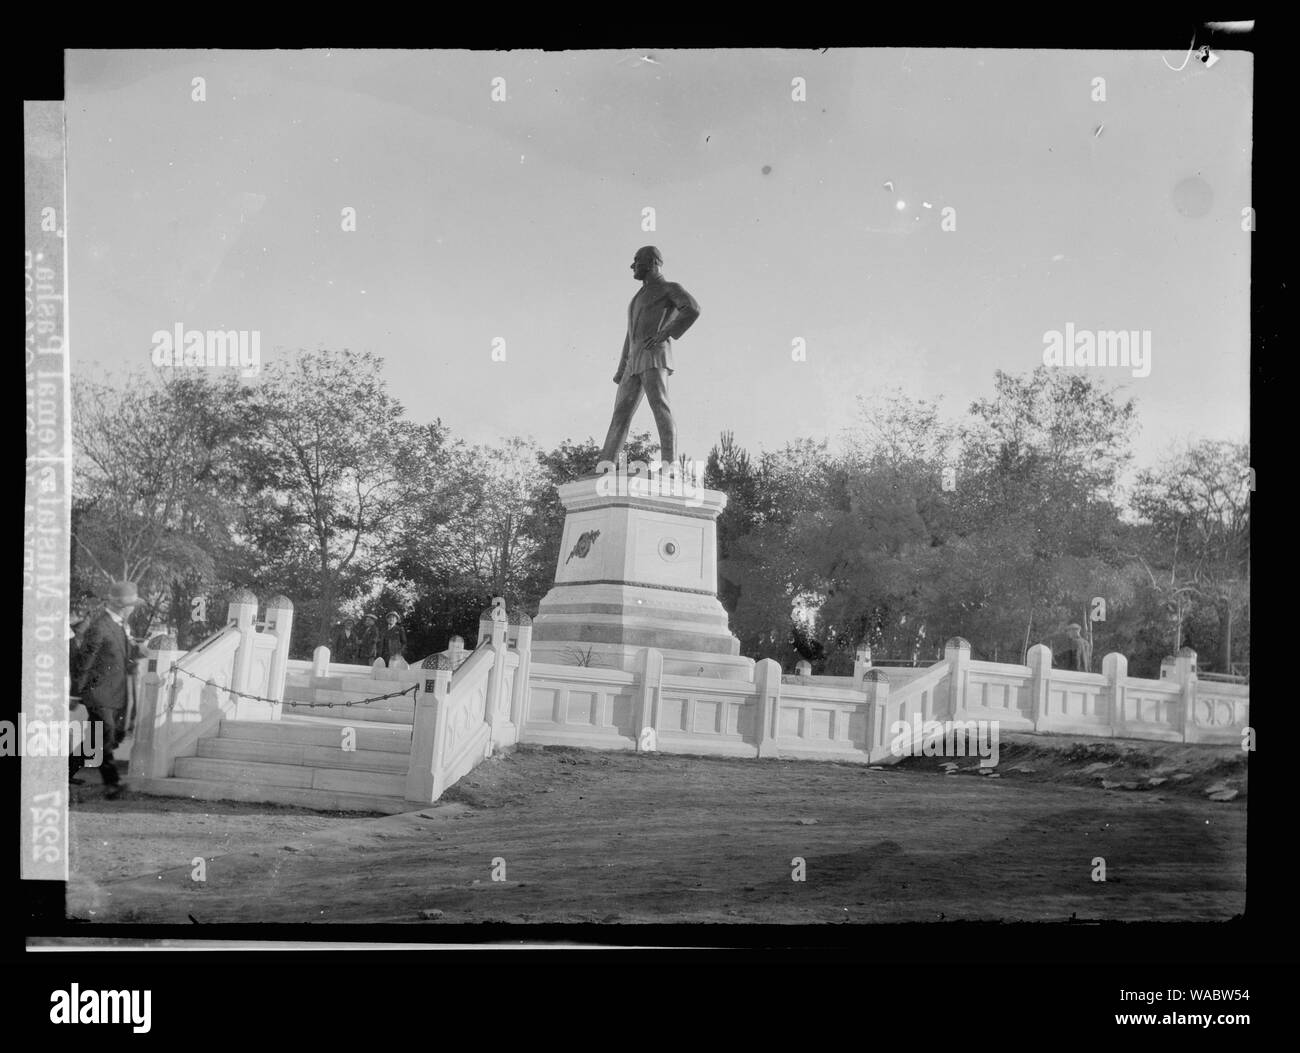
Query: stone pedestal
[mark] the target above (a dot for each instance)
(638, 568)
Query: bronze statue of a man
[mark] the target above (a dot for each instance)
(659, 314)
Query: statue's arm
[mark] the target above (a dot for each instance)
(687, 310)
(622, 362)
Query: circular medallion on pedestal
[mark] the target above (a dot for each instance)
(670, 549)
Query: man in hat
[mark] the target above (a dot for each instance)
(106, 661)
(659, 314)
(1078, 652)
(368, 642)
(394, 639)
(345, 645)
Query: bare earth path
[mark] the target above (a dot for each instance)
(620, 837)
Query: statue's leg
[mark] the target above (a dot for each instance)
(656, 389)
(626, 400)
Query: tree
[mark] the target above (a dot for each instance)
(479, 546)
(1043, 462)
(768, 542)
(156, 495)
(335, 469)
(1197, 505)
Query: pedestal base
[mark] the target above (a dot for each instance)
(637, 569)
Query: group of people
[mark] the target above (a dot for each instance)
(351, 646)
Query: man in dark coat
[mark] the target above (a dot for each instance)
(105, 663)
(394, 640)
(345, 645)
(368, 643)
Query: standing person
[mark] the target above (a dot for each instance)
(658, 314)
(368, 642)
(394, 639)
(1078, 652)
(79, 619)
(79, 622)
(345, 644)
(107, 660)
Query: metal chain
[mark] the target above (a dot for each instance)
(295, 704)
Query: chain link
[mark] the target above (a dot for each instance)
(295, 704)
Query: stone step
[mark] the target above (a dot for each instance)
(297, 776)
(309, 756)
(350, 713)
(327, 732)
(320, 800)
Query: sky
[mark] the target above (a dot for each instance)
(821, 221)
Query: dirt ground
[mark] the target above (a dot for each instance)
(584, 836)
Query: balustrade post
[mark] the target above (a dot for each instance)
(1114, 667)
(956, 653)
(151, 755)
(767, 682)
(424, 774)
(1040, 681)
(646, 726)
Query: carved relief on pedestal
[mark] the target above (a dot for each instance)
(585, 541)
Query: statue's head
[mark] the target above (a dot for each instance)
(646, 262)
